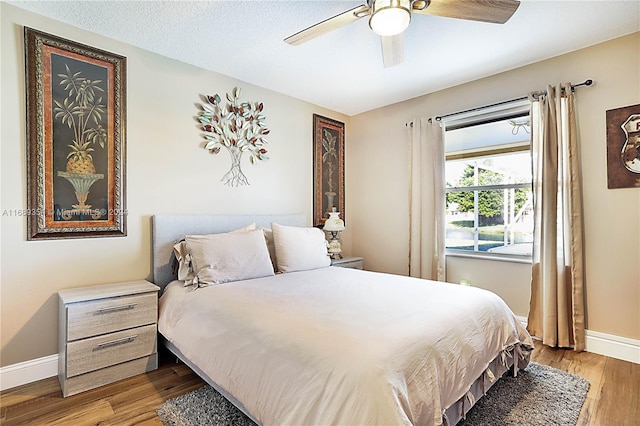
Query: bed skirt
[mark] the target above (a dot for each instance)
(511, 359)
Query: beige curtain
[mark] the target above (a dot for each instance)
(556, 313)
(426, 200)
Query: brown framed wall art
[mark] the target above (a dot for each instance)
(328, 168)
(623, 147)
(76, 130)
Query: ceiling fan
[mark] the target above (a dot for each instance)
(389, 19)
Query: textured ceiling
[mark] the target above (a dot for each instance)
(342, 70)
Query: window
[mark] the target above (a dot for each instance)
(489, 202)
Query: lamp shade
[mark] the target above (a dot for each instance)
(390, 17)
(334, 223)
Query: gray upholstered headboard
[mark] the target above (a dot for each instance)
(168, 229)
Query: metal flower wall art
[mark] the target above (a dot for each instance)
(237, 127)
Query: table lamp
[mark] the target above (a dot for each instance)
(334, 225)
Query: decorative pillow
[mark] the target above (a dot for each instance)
(268, 237)
(299, 249)
(221, 258)
(183, 258)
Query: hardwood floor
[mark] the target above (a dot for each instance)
(613, 398)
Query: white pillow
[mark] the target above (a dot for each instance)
(299, 249)
(183, 258)
(221, 258)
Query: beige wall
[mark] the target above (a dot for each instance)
(167, 172)
(377, 182)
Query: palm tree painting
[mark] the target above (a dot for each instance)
(80, 138)
(329, 158)
(328, 168)
(76, 131)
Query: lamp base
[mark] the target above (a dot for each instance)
(335, 256)
(334, 246)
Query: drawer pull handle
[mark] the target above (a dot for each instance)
(117, 308)
(116, 342)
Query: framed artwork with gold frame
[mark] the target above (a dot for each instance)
(328, 168)
(76, 130)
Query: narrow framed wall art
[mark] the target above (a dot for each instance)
(76, 130)
(328, 168)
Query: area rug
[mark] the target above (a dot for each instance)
(539, 396)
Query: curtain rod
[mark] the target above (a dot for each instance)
(588, 82)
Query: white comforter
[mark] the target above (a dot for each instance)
(341, 346)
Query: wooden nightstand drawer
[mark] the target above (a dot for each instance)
(110, 349)
(102, 316)
(77, 384)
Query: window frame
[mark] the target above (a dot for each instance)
(479, 117)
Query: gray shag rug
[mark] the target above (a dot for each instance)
(539, 396)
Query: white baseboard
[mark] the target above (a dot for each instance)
(523, 320)
(608, 344)
(28, 372)
(614, 346)
(599, 343)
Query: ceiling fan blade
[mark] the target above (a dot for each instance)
(392, 50)
(328, 25)
(494, 11)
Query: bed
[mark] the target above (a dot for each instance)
(327, 345)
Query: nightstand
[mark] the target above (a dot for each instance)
(106, 333)
(348, 262)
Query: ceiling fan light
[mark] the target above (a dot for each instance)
(390, 17)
